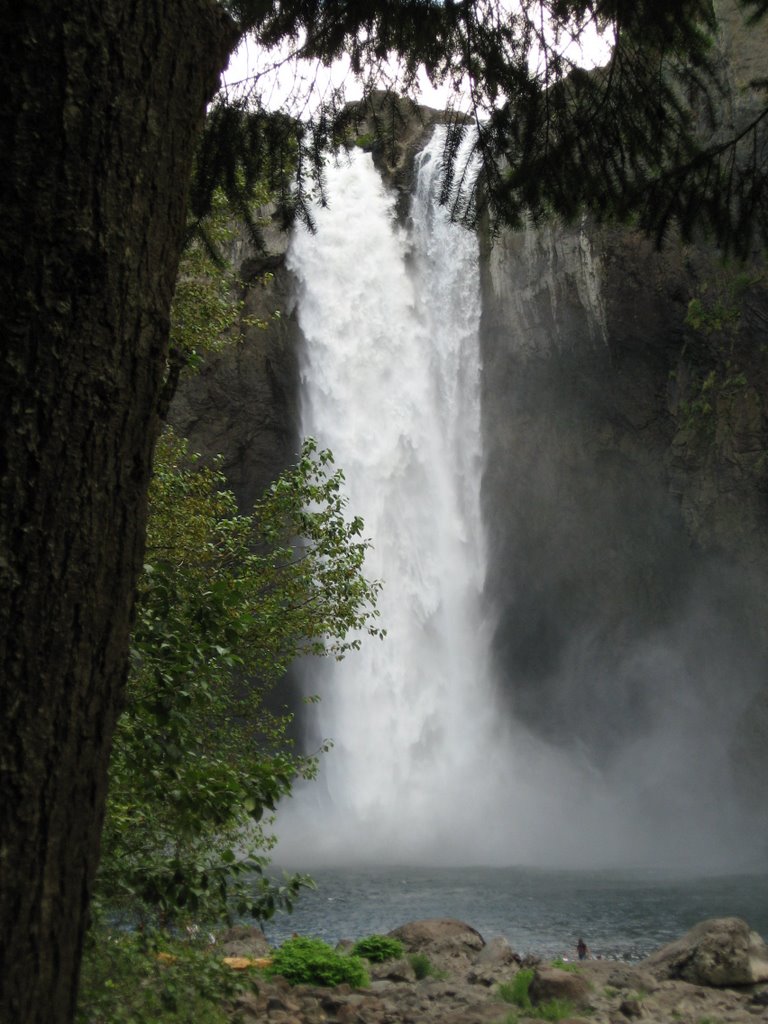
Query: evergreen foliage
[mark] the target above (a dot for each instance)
(637, 140)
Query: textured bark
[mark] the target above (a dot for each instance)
(101, 101)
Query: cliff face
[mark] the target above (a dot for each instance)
(243, 404)
(626, 480)
(626, 520)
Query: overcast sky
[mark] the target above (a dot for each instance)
(297, 85)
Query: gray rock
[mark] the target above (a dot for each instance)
(624, 976)
(721, 951)
(550, 983)
(439, 935)
(497, 952)
(392, 970)
(244, 940)
(611, 992)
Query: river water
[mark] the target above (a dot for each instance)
(621, 914)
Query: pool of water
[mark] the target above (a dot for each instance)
(622, 915)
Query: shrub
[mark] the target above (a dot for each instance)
(378, 948)
(305, 961)
(423, 967)
(129, 978)
(516, 991)
(201, 758)
(554, 1010)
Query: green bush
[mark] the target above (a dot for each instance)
(553, 1010)
(378, 948)
(200, 759)
(423, 967)
(305, 961)
(421, 964)
(516, 991)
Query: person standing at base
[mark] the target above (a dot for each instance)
(582, 949)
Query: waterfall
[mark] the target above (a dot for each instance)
(426, 768)
(391, 384)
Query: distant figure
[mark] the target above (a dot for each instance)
(582, 949)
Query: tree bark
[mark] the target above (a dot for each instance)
(100, 105)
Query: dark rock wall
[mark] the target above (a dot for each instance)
(598, 532)
(243, 403)
(626, 480)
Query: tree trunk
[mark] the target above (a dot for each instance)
(101, 103)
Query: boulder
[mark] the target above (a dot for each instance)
(624, 976)
(392, 970)
(440, 936)
(497, 952)
(244, 940)
(551, 983)
(493, 963)
(721, 951)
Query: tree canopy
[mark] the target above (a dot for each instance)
(643, 139)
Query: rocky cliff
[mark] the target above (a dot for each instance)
(626, 482)
(625, 488)
(243, 403)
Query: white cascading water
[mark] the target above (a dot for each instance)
(391, 384)
(425, 768)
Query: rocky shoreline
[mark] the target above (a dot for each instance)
(716, 974)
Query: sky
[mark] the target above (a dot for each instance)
(283, 79)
